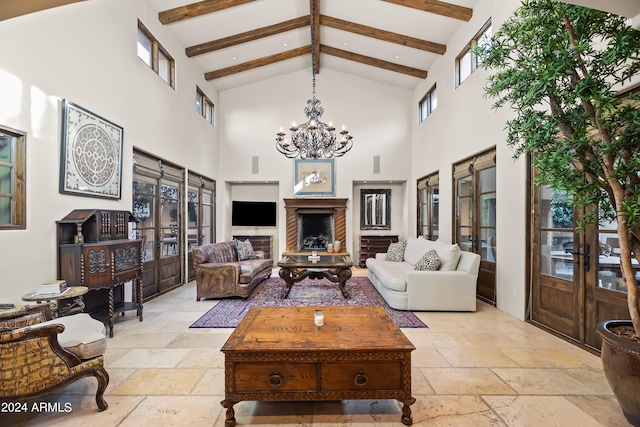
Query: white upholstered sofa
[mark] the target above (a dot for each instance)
(450, 288)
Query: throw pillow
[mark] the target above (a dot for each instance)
(429, 262)
(244, 250)
(449, 255)
(396, 252)
(416, 247)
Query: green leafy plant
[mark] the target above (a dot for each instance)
(559, 68)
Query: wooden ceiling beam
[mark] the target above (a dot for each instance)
(248, 36)
(438, 7)
(197, 9)
(305, 50)
(374, 62)
(256, 63)
(379, 34)
(314, 16)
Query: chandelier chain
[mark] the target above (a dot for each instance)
(313, 48)
(314, 139)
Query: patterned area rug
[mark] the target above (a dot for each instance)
(228, 312)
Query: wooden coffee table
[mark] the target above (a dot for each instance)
(336, 268)
(278, 354)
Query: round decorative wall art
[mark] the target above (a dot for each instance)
(91, 161)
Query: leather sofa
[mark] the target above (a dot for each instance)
(220, 274)
(450, 288)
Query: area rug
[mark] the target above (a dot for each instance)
(228, 312)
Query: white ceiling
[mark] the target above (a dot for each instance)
(385, 15)
(261, 13)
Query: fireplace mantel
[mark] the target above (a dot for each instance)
(339, 207)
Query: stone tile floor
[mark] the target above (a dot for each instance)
(469, 369)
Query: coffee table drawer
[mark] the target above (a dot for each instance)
(361, 375)
(274, 376)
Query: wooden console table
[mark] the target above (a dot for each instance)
(278, 354)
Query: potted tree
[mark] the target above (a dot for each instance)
(560, 68)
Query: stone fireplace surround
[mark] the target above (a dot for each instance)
(292, 207)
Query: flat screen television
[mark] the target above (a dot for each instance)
(253, 214)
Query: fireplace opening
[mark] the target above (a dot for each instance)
(315, 230)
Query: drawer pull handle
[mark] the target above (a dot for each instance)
(275, 380)
(361, 379)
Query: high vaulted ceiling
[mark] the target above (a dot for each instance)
(236, 42)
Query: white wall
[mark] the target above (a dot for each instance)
(377, 115)
(86, 53)
(464, 124)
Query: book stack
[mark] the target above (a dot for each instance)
(54, 287)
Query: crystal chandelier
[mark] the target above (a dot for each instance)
(314, 139)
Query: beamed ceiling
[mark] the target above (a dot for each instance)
(237, 42)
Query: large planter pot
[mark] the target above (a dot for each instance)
(621, 363)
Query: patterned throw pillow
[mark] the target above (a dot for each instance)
(396, 252)
(244, 250)
(429, 262)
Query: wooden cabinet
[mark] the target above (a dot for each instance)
(94, 251)
(371, 245)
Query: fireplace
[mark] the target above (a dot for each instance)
(315, 229)
(313, 223)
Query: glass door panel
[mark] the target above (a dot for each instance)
(207, 235)
(435, 212)
(144, 208)
(465, 214)
(169, 209)
(487, 207)
(193, 224)
(609, 271)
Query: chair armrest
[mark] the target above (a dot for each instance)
(47, 338)
(441, 290)
(217, 275)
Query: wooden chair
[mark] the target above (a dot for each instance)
(32, 360)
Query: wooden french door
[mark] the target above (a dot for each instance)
(475, 217)
(557, 294)
(200, 216)
(576, 276)
(157, 202)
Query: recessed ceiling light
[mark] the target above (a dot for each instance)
(397, 56)
(234, 58)
(285, 44)
(345, 43)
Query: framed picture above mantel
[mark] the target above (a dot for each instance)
(314, 178)
(91, 157)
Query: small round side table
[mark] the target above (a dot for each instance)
(76, 306)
